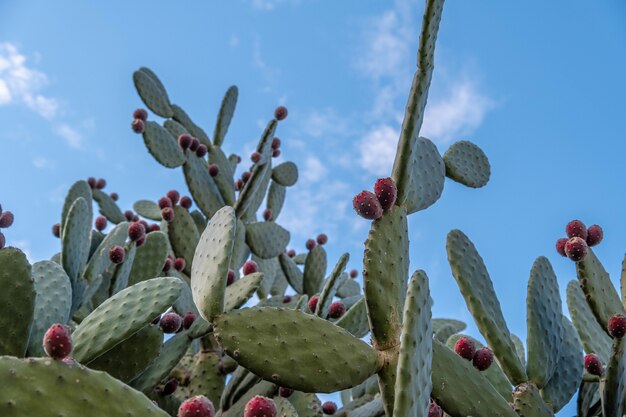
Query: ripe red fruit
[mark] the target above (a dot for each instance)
(214, 170)
(179, 264)
(140, 241)
(483, 358)
(267, 215)
(57, 342)
(245, 176)
(310, 244)
(275, 143)
(201, 151)
(275, 153)
(260, 406)
(386, 192)
(366, 205)
(195, 143)
(238, 185)
(286, 299)
(250, 267)
(576, 249)
(101, 223)
(255, 157)
(167, 214)
(285, 392)
(169, 387)
(164, 202)
(185, 202)
(280, 113)
(576, 228)
(354, 273)
(329, 408)
(560, 246)
(117, 254)
(56, 230)
(173, 196)
(617, 326)
(434, 410)
(188, 319)
(171, 322)
(593, 364)
(136, 231)
(167, 265)
(184, 141)
(322, 239)
(291, 253)
(129, 215)
(154, 228)
(92, 182)
(336, 310)
(230, 277)
(594, 235)
(101, 183)
(138, 126)
(140, 114)
(465, 348)
(313, 303)
(114, 196)
(198, 406)
(6, 219)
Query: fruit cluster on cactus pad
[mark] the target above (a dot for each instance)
(579, 240)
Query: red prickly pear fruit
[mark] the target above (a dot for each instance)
(201, 151)
(129, 215)
(136, 231)
(313, 303)
(57, 342)
(329, 408)
(167, 265)
(198, 406)
(280, 113)
(285, 392)
(267, 215)
(140, 241)
(214, 170)
(117, 254)
(617, 326)
(336, 310)
(593, 364)
(171, 322)
(185, 202)
(184, 141)
(3, 240)
(101, 223)
(275, 143)
(576, 249)
(291, 253)
(560, 246)
(354, 273)
(322, 239)
(250, 267)
(238, 185)
(310, 244)
(164, 202)
(286, 299)
(434, 410)
(173, 196)
(245, 176)
(255, 157)
(367, 205)
(92, 182)
(169, 387)
(188, 319)
(179, 264)
(114, 196)
(483, 358)
(140, 114)
(195, 143)
(594, 235)
(465, 348)
(138, 126)
(135, 218)
(167, 214)
(230, 277)
(275, 153)
(259, 406)
(155, 227)
(146, 226)
(386, 192)
(576, 228)
(101, 183)
(56, 230)
(6, 219)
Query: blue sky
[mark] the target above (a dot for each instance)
(539, 86)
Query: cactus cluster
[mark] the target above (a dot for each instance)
(258, 330)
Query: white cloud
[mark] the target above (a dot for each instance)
(323, 123)
(41, 162)
(377, 150)
(271, 4)
(268, 74)
(72, 136)
(314, 170)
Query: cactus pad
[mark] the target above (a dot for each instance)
(467, 164)
(266, 239)
(149, 259)
(162, 145)
(314, 271)
(285, 174)
(227, 109)
(148, 209)
(152, 92)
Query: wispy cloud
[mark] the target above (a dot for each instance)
(41, 162)
(71, 136)
(271, 4)
(319, 123)
(377, 149)
(268, 74)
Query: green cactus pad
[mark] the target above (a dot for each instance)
(314, 271)
(342, 361)
(231, 391)
(355, 320)
(225, 178)
(276, 198)
(194, 130)
(45, 388)
(241, 252)
(175, 128)
(373, 408)
(185, 301)
(129, 358)
(588, 403)
(519, 348)
(262, 388)
(600, 292)
(121, 277)
(78, 189)
(162, 145)
(467, 164)
(53, 301)
(268, 267)
(123, 315)
(284, 408)
(202, 186)
(199, 220)
(330, 287)
(461, 389)
(528, 402)
(253, 192)
(183, 236)
(150, 258)
(544, 323)
(152, 92)
(300, 258)
(285, 174)
(445, 332)
(227, 109)
(458, 325)
(291, 272)
(148, 209)
(17, 302)
(171, 353)
(473, 280)
(413, 382)
(240, 291)
(108, 207)
(569, 370)
(385, 274)
(206, 377)
(348, 287)
(306, 404)
(211, 261)
(613, 386)
(95, 238)
(593, 337)
(280, 284)
(266, 239)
